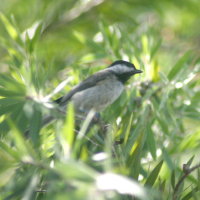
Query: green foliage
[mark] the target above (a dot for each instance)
(153, 137)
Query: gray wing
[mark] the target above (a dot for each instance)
(87, 83)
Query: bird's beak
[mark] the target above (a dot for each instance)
(137, 71)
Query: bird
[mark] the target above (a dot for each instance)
(98, 91)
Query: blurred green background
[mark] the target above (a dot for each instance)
(68, 25)
(45, 43)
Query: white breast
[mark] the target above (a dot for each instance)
(98, 97)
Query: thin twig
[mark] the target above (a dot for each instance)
(186, 173)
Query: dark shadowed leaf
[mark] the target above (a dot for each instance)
(154, 174)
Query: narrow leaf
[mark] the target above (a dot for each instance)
(167, 158)
(9, 150)
(154, 174)
(173, 179)
(35, 125)
(179, 65)
(151, 141)
(9, 27)
(68, 130)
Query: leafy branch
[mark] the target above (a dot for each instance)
(187, 171)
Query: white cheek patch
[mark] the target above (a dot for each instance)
(121, 69)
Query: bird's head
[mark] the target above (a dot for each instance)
(123, 70)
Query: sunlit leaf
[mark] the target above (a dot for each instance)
(155, 48)
(68, 130)
(9, 27)
(79, 36)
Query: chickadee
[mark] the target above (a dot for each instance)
(99, 90)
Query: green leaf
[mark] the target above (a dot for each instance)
(137, 130)
(33, 41)
(80, 37)
(67, 132)
(173, 179)
(189, 142)
(11, 87)
(7, 168)
(9, 93)
(29, 192)
(9, 27)
(10, 108)
(81, 138)
(167, 158)
(151, 141)
(190, 194)
(189, 162)
(156, 48)
(24, 148)
(9, 150)
(128, 129)
(162, 185)
(9, 101)
(145, 44)
(154, 174)
(133, 161)
(76, 170)
(179, 66)
(35, 124)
